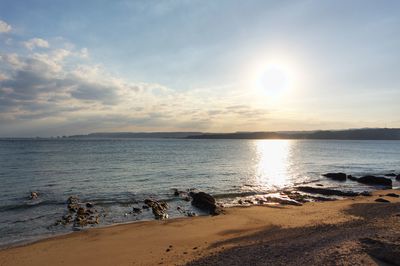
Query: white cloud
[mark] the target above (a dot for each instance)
(36, 42)
(4, 27)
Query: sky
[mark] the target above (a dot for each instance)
(76, 67)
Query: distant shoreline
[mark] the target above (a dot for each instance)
(348, 134)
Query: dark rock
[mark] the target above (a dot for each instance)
(145, 207)
(320, 185)
(382, 200)
(336, 176)
(186, 198)
(375, 180)
(366, 194)
(394, 195)
(81, 211)
(352, 178)
(89, 205)
(137, 210)
(240, 201)
(327, 191)
(176, 192)
(398, 177)
(33, 195)
(391, 174)
(383, 250)
(159, 208)
(205, 202)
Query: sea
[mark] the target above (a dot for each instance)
(117, 175)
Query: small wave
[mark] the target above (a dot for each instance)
(28, 205)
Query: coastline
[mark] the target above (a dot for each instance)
(193, 239)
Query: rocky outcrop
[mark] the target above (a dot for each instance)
(205, 202)
(393, 195)
(80, 214)
(159, 208)
(375, 180)
(336, 176)
(327, 191)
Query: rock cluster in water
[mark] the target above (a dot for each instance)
(79, 213)
(368, 179)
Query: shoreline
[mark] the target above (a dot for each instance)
(190, 238)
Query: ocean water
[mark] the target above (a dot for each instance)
(118, 174)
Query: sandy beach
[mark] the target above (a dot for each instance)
(339, 232)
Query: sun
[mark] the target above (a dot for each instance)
(273, 81)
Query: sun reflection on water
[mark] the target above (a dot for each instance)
(272, 163)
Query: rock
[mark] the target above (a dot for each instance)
(393, 195)
(352, 178)
(391, 174)
(375, 180)
(336, 176)
(159, 208)
(205, 202)
(136, 210)
(398, 177)
(319, 185)
(81, 211)
(145, 207)
(89, 205)
(190, 214)
(327, 191)
(72, 199)
(382, 250)
(366, 194)
(382, 200)
(240, 201)
(33, 195)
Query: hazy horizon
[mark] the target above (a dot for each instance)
(70, 68)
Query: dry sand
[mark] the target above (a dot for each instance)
(330, 233)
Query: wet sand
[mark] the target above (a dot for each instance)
(332, 233)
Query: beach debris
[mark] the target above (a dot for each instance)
(382, 200)
(336, 176)
(205, 202)
(327, 191)
(33, 195)
(375, 180)
(393, 195)
(383, 250)
(159, 208)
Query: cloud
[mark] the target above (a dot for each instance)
(36, 42)
(59, 91)
(4, 27)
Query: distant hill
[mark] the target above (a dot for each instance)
(349, 134)
(175, 135)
